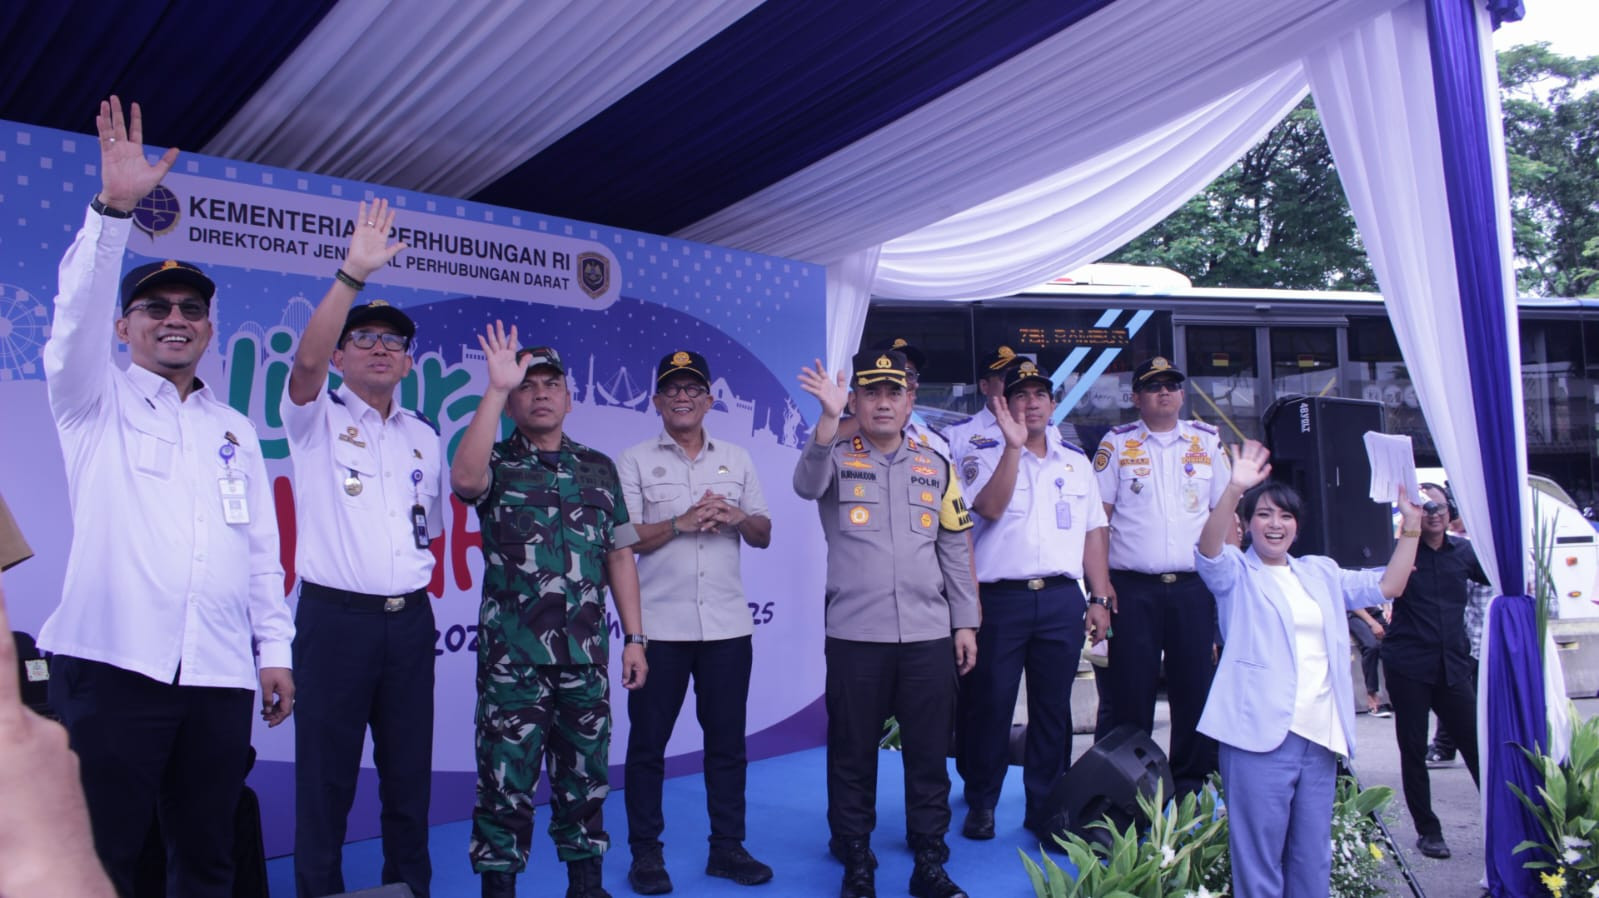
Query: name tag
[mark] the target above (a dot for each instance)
(235, 510)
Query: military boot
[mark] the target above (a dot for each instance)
(583, 879)
(928, 879)
(858, 863)
(498, 884)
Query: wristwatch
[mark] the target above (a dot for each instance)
(638, 639)
(102, 209)
(1101, 601)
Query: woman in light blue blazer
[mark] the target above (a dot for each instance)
(1282, 704)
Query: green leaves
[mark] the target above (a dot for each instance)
(1183, 854)
(1567, 809)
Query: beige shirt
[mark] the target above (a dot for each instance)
(1313, 693)
(691, 587)
(13, 548)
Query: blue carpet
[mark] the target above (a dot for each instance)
(787, 823)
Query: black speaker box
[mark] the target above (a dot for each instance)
(392, 890)
(1106, 782)
(1317, 447)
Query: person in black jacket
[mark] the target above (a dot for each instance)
(1426, 659)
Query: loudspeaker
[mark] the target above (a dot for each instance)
(1317, 447)
(1106, 782)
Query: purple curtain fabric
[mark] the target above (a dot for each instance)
(1516, 710)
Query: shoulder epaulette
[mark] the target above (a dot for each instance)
(966, 420)
(1073, 447)
(334, 395)
(1125, 428)
(425, 420)
(1203, 427)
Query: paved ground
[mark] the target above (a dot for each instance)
(1454, 800)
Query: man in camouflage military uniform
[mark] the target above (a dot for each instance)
(555, 534)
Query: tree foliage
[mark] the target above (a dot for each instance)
(1278, 217)
(1551, 113)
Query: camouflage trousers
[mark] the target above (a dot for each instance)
(527, 716)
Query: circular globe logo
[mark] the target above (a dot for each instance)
(157, 214)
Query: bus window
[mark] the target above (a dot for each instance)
(1304, 362)
(1223, 379)
(1376, 372)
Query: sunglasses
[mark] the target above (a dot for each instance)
(692, 391)
(160, 309)
(369, 339)
(1161, 386)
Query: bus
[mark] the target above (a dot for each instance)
(1244, 349)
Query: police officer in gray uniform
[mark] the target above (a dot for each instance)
(901, 613)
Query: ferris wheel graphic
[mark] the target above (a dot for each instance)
(24, 325)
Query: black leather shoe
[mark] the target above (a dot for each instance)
(583, 879)
(734, 863)
(1439, 758)
(497, 884)
(648, 874)
(859, 881)
(979, 823)
(928, 879)
(1433, 846)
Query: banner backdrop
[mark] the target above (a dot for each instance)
(611, 301)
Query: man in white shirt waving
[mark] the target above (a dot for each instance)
(368, 501)
(172, 608)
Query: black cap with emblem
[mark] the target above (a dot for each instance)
(995, 363)
(151, 275)
(1158, 366)
(1024, 372)
(686, 362)
(879, 366)
(916, 357)
(380, 312)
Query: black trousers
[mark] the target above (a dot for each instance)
(355, 666)
(1442, 741)
(1176, 620)
(720, 670)
(1370, 653)
(146, 748)
(867, 682)
(1456, 707)
(1040, 633)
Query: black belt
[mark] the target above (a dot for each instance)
(1173, 577)
(1033, 585)
(361, 601)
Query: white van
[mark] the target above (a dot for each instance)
(1574, 563)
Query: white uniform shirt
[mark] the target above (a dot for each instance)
(156, 577)
(1162, 487)
(977, 432)
(690, 587)
(1054, 505)
(362, 543)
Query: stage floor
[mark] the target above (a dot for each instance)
(787, 823)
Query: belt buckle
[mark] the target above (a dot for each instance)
(394, 603)
(1168, 578)
(1035, 584)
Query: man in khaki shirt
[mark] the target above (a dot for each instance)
(694, 500)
